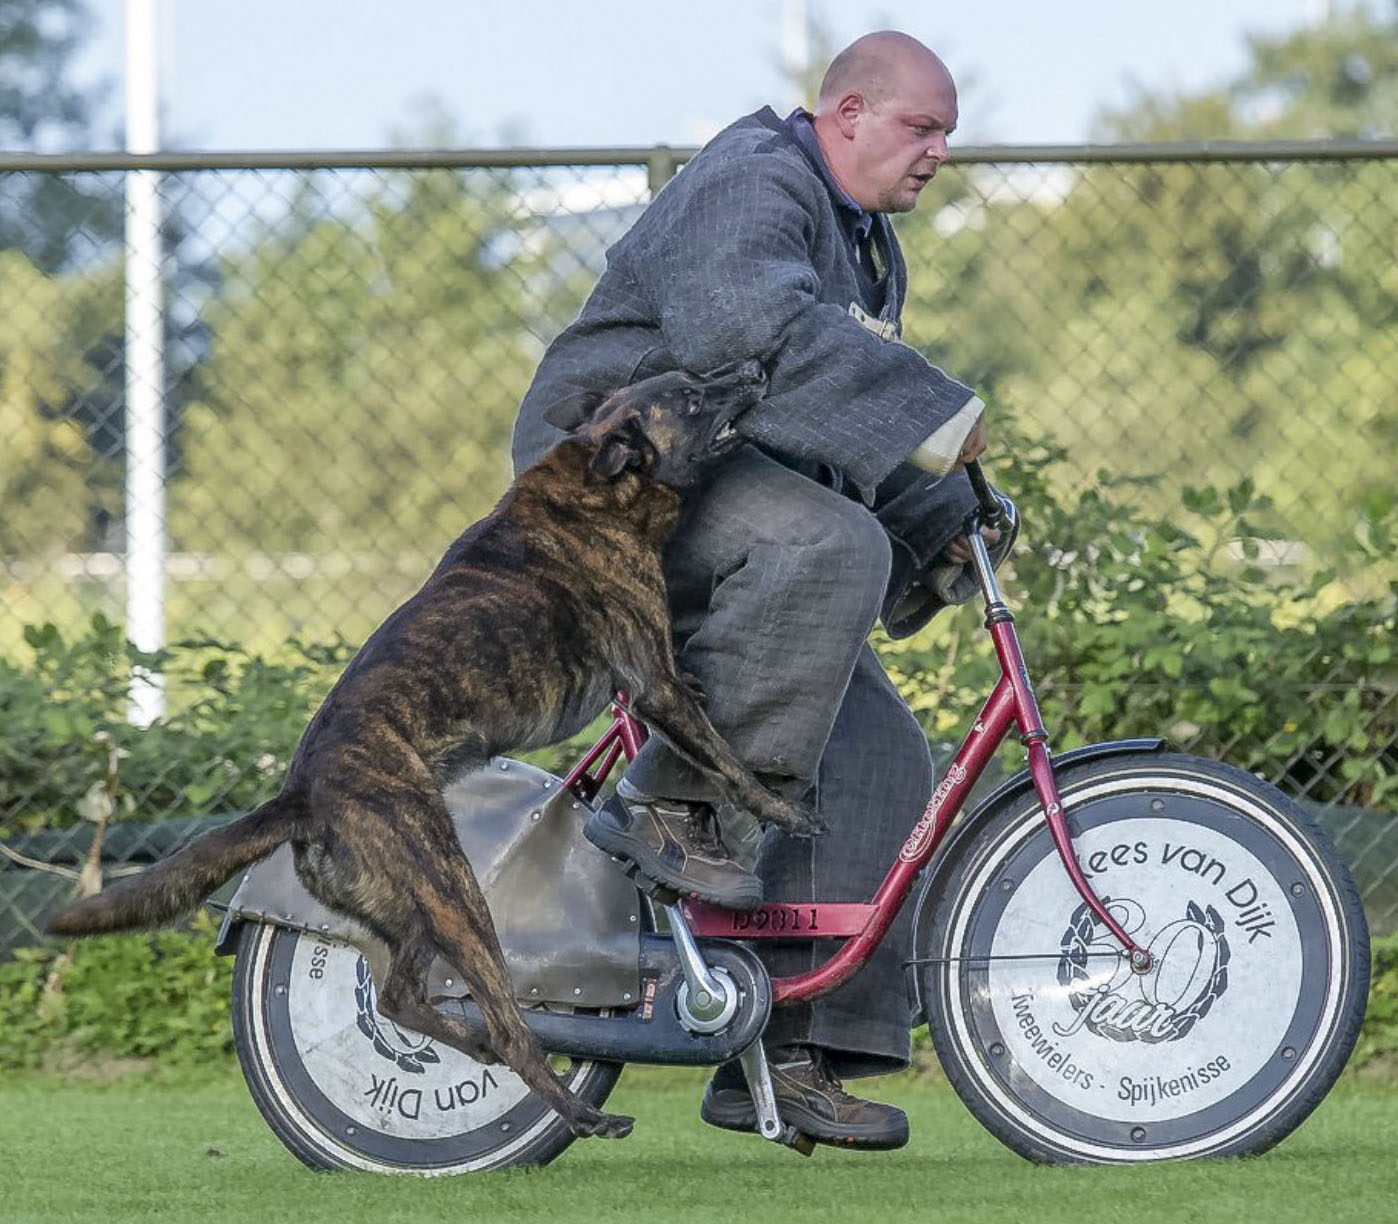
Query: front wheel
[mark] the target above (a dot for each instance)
(345, 1088)
(1253, 1002)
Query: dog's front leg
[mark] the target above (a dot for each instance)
(671, 709)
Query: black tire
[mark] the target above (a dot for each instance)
(1232, 1038)
(343, 1088)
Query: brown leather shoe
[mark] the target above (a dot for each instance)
(676, 844)
(810, 1098)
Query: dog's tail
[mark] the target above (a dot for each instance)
(175, 885)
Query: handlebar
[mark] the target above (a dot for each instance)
(991, 509)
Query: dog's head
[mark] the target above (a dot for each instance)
(670, 427)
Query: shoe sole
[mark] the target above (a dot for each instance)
(744, 1118)
(645, 861)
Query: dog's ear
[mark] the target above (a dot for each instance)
(575, 410)
(621, 447)
(613, 457)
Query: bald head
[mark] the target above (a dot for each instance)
(886, 107)
(875, 65)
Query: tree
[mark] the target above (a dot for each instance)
(48, 326)
(1338, 78)
(59, 294)
(1197, 321)
(58, 221)
(356, 408)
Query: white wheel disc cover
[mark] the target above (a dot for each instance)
(1088, 1040)
(1226, 952)
(383, 1077)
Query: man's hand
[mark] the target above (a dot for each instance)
(959, 550)
(974, 446)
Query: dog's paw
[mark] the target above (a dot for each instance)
(807, 824)
(791, 817)
(602, 1126)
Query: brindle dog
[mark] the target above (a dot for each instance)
(534, 617)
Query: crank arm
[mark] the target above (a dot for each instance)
(769, 1122)
(754, 1061)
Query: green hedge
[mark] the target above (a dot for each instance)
(234, 720)
(1190, 627)
(1378, 1043)
(162, 997)
(1131, 626)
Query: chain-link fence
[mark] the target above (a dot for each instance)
(1210, 334)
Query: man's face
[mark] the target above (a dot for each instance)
(900, 140)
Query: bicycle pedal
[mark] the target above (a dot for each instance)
(799, 1141)
(661, 894)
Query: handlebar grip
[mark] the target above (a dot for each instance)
(992, 511)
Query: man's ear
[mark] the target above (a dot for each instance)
(848, 112)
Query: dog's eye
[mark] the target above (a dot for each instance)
(695, 403)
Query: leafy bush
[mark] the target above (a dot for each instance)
(234, 720)
(161, 996)
(1378, 1043)
(1135, 626)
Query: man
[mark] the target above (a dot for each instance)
(774, 242)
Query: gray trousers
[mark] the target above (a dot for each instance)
(775, 584)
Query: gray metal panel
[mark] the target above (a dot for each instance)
(568, 920)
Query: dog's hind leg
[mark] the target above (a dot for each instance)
(465, 937)
(403, 1000)
(428, 900)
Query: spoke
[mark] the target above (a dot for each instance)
(1015, 956)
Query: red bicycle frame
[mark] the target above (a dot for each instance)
(1011, 705)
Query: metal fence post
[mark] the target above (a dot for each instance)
(661, 166)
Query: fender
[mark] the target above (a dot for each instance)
(568, 921)
(1010, 789)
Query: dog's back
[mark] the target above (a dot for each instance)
(509, 643)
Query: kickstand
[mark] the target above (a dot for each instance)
(769, 1122)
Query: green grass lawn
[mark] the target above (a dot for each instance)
(138, 1149)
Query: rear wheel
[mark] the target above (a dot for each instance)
(1252, 1004)
(345, 1088)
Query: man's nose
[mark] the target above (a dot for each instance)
(937, 150)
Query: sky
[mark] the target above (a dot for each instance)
(340, 74)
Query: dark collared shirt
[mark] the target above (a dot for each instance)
(859, 222)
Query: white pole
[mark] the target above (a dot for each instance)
(795, 42)
(145, 366)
